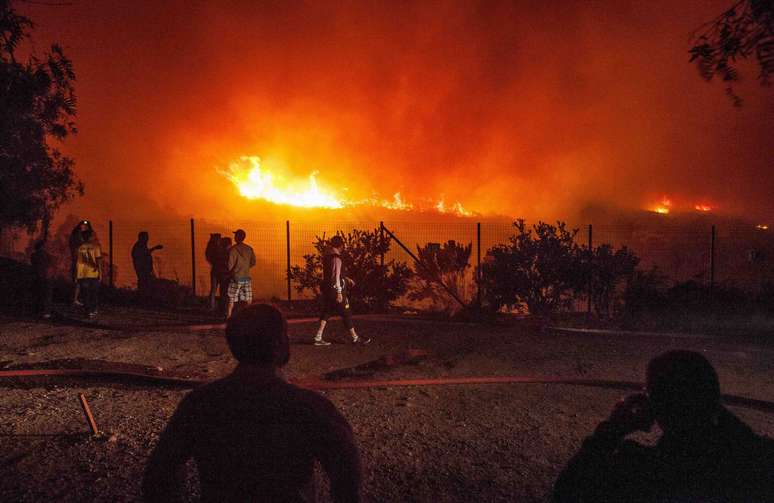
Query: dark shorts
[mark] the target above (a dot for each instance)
(329, 307)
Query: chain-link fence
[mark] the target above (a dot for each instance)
(742, 256)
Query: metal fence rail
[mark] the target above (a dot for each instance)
(742, 256)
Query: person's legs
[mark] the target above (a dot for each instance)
(318, 338)
(233, 297)
(86, 294)
(346, 315)
(46, 297)
(95, 296)
(77, 289)
(213, 288)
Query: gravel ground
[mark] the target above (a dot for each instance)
(431, 443)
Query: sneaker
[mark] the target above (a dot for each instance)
(361, 340)
(320, 342)
(92, 315)
(77, 303)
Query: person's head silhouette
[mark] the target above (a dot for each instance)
(337, 242)
(143, 237)
(258, 335)
(684, 392)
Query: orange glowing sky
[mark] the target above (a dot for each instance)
(518, 108)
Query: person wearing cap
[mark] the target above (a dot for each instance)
(241, 258)
(333, 295)
(253, 435)
(705, 452)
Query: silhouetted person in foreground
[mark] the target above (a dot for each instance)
(254, 436)
(44, 266)
(142, 259)
(241, 258)
(706, 454)
(333, 294)
(88, 272)
(211, 254)
(76, 240)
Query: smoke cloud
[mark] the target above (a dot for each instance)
(510, 107)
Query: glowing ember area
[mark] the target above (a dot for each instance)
(762, 227)
(703, 207)
(255, 181)
(664, 207)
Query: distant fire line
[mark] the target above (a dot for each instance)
(253, 181)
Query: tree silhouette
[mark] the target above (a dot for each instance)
(37, 105)
(539, 267)
(744, 30)
(447, 263)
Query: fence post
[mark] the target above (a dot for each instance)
(193, 259)
(591, 272)
(478, 264)
(110, 253)
(381, 242)
(712, 262)
(287, 246)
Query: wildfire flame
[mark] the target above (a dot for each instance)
(256, 182)
(664, 207)
(703, 207)
(762, 227)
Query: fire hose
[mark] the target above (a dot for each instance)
(323, 385)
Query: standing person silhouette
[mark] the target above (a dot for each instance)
(211, 254)
(254, 436)
(88, 272)
(44, 266)
(241, 258)
(706, 454)
(76, 240)
(333, 293)
(142, 259)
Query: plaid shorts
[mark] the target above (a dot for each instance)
(240, 290)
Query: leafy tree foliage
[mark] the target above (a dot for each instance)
(539, 267)
(375, 285)
(448, 263)
(37, 104)
(609, 269)
(744, 30)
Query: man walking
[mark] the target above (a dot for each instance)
(333, 294)
(241, 258)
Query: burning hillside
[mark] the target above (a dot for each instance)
(255, 181)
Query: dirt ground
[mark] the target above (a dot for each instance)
(454, 443)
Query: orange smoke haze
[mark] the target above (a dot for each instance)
(537, 109)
